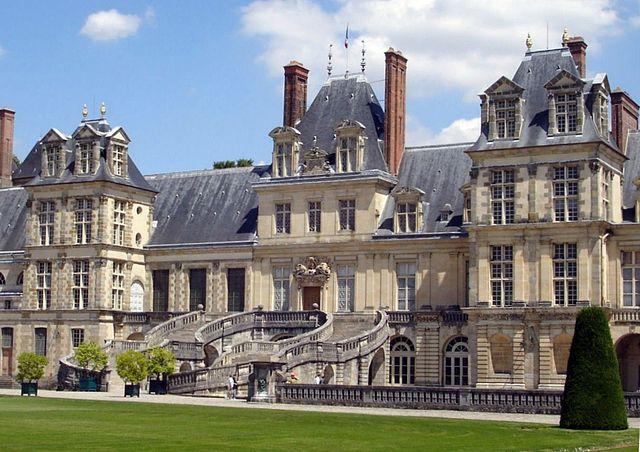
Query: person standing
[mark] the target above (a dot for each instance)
(232, 388)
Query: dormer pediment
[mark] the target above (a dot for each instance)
(118, 134)
(602, 81)
(54, 136)
(284, 133)
(407, 193)
(564, 80)
(86, 132)
(504, 87)
(349, 124)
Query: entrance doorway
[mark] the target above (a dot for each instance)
(7, 351)
(628, 351)
(310, 295)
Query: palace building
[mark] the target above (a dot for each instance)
(349, 255)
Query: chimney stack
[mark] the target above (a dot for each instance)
(6, 146)
(624, 117)
(578, 49)
(295, 93)
(395, 83)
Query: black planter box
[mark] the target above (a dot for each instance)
(88, 384)
(157, 387)
(28, 388)
(132, 390)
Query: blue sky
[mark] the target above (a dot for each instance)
(193, 82)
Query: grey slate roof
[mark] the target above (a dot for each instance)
(536, 69)
(13, 218)
(631, 169)
(205, 207)
(31, 170)
(339, 99)
(439, 171)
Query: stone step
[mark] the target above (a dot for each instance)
(7, 382)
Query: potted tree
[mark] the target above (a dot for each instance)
(161, 363)
(131, 366)
(30, 370)
(93, 360)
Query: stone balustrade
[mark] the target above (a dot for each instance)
(158, 333)
(117, 345)
(626, 315)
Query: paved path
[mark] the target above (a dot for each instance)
(219, 402)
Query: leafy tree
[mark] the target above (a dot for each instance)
(161, 361)
(240, 163)
(16, 160)
(31, 366)
(224, 164)
(593, 397)
(132, 366)
(90, 356)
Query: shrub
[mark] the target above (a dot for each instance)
(31, 366)
(90, 356)
(593, 397)
(161, 361)
(132, 366)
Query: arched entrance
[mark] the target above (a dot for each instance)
(136, 302)
(376, 369)
(210, 355)
(328, 375)
(185, 367)
(136, 337)
(628, 351)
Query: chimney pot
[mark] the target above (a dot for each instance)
(578, 49)
(295, 92)
(624, 117)
(395, 84)
(7, 118)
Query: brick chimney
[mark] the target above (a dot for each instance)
(295, 93)
(624, 117)
(578, 49)
(6, 146)
(395, 83)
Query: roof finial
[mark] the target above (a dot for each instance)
(529, 41)
(565, 37)
(329, 65)
(85, 111)
(103, 110)
(363, 63)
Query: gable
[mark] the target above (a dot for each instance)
(86, 131)
(54, 136)
(119, 134)
(504, 86)
(563, 80)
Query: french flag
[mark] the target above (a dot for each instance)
(346, 38)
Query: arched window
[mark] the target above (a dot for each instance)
(2, 280)
(402, 361)
(20, 279)
(456, 362)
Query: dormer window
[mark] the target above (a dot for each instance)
(566, 108)
(118, 159)
(349, 146)
(53, 156)
(408, 215)
(445, 213)
(52, 159)
(84, 158)
(504, 112)
(600, 109)
(285, 151)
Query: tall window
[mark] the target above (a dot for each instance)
(117, 285)
(565, 273)
(281, 288)
(161, 290)
(283, 159)
(77, 337)
(118, 222)
(346, 286)
(456, 362)
(197, 288)
(283, 218)
(83, 217)
(41, 341)
(80, 284)
(235, 289)
(52, 160)
(347, 154)
(502, 196)
(117, 154)
(606, 178)
(566, 113)
(85, 163)
(630, 278)
(46, 219)
(347, 214)
(43, 281)
(314, 216)
(506, 118)
(403, 361)
(502, 275)
(407, 217)
(565, 193)
(406, 277)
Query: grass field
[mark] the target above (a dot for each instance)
(31, 423)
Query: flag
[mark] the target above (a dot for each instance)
(346, 38)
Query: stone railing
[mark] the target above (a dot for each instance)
(400, 317)
(628, 315)
(472, 399)
(224, 326)
(158, 333)
(117, 345)
(318, 335)
(188, 351)
(201, 380)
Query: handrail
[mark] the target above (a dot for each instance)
(157, 333)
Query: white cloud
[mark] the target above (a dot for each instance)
(2, 52)
(451, 44)
(459, 131)
(110, 25)
(635, 21)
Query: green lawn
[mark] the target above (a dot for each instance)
(30, 423)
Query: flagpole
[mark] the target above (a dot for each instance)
(346, 49)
